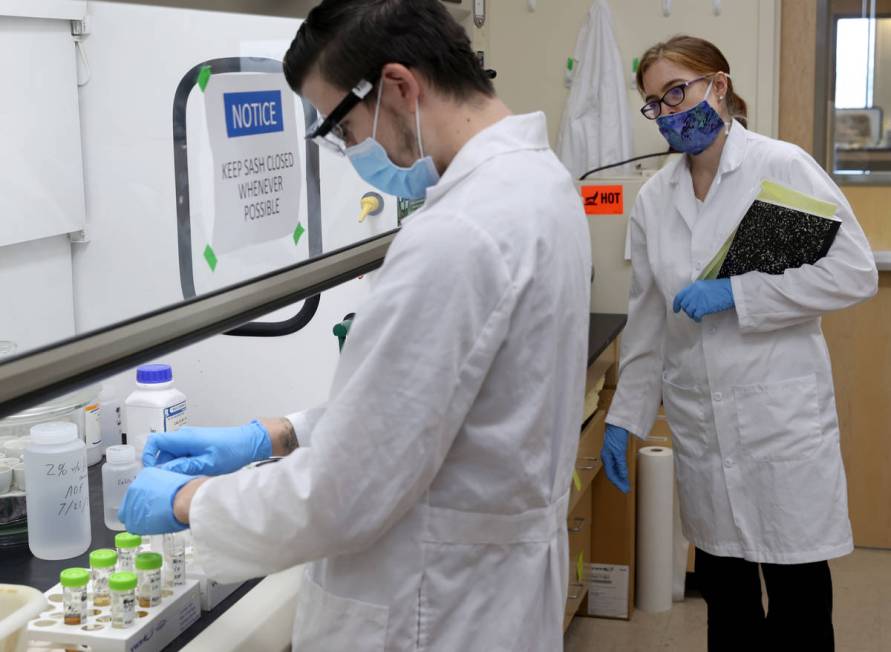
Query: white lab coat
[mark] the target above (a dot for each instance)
(596, 125)
(432, 496)
(748, 392)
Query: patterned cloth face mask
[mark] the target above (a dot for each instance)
(693, 130)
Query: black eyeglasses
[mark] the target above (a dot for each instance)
(326, 130)
(672, 97)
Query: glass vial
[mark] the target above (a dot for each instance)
(174, 560)
(128, 546)
(148, 573)
(123, 599)
(102, 563)
(74, 595)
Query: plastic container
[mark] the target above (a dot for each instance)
(119, 470)
(93, 428)
(127, 546)
(110, 418)
(123, 599)
(74, 595)
(58, 492)
(18, 605)
(102, 564)
(155, 406)
(148, 573)
(71, 407)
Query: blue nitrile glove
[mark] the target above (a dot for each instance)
(148, 504)
(614, 455)
(702, 298)
(207, 451)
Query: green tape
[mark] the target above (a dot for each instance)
(204, 77)
(576, 480)
(298, 233)
(211, 258)
(580, 567)
(635, 65)
(570, 64)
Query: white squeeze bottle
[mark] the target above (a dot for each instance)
(58, 500)
(119, 470)
(155, 406)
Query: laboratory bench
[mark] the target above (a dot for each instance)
(600, 520)
(605, 540)
(19, 566)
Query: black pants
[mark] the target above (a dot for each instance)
(799, 614)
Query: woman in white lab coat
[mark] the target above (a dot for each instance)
(740, 364)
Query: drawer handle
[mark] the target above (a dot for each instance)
(579, 525)
(594, 462)
(578, 593)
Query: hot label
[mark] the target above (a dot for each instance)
(603, 200)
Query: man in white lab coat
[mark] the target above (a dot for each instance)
(431, 493)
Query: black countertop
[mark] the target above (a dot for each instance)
(19, 566)
(602, 330)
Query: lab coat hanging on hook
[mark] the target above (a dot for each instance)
(596, 125)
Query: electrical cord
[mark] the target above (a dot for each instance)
(630, 160)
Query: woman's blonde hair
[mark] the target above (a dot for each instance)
(700, 56)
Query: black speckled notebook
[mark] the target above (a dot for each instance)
(773, 238)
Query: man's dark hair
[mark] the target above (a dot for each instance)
(351, 40)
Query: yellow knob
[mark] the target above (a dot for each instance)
(371, 205)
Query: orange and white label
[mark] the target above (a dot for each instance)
(603, 200)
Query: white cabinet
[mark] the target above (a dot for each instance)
(41, 172)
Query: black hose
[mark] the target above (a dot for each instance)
(630, 160)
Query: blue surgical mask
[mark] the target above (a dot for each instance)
(693, 130)
(371, 161)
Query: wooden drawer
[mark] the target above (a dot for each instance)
(588, 462)
(604, 366)
(579, 529)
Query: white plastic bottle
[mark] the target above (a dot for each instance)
(156, 406)
(119, 470)
(58, 492)
(110, 417)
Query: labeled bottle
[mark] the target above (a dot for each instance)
(58, 501)
(155, 406)
(102, 565)
(123, 599)
(174, 560)
(118, 472)
(74, 595)
(128, 546)
(110, 418)
(148, 574)
(93, 428)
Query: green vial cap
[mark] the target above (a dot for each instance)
(103, 558)
(74, 577)
(146, 561)
(122, 581)
(127, 540)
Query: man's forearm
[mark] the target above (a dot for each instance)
(281, 435)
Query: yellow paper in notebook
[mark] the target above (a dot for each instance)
(774, 193)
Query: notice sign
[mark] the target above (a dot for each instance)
(257, 175)
(603, 200)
